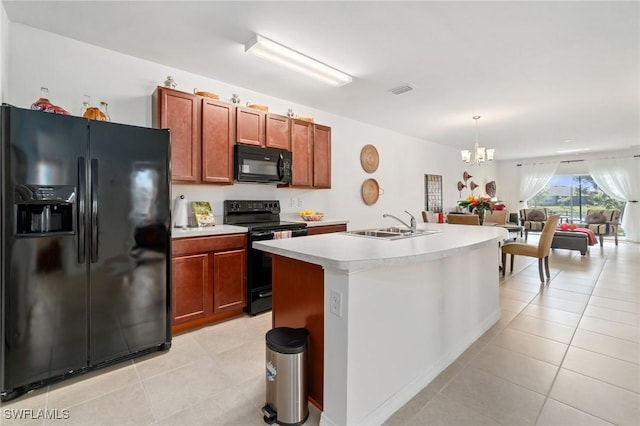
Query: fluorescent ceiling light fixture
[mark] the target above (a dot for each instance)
(275, 52)
(568, 151)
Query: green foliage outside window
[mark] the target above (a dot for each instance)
(572, 196)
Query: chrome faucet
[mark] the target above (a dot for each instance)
(412, 227)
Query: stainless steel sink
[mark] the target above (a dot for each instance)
(391, 233)
(375, 233)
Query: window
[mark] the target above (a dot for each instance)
(572, 196)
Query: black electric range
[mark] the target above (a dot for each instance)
(262, 219)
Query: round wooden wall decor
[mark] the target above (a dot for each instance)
(369, 158)
(370, 191)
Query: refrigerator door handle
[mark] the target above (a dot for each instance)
(94, 210)
(82, 182)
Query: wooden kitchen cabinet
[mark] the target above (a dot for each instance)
(254, 127)
(202, 135)
(250, 126)
(278, 132)
(311, 150)
(229, 268)
(326, 229)
(218, 125)
(302, 153)
(321, 156)
(190, 275)
(208, 279)
(178, 111)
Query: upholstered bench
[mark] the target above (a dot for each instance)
(571, 241)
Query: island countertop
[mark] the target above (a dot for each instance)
(350, 252)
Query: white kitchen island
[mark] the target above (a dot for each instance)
(389, 316)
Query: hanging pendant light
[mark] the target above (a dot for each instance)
(481, 153)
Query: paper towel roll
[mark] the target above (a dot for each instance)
(180, 212)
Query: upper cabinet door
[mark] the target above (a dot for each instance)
(250, 126)
(218, 125)
(322, 156)
(278, 132)
(178, 111)
(302, 153)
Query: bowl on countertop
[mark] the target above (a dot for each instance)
(312, 217)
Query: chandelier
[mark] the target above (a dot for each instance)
(481, 153)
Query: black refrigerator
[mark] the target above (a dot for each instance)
(85, 254)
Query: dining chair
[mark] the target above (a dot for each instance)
(496, 216)
(541, 250)
(463, 219)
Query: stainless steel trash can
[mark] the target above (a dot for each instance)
(286, 376)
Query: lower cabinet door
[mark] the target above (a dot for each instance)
(229, 280)
(190, 277)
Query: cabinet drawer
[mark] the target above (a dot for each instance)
(184, 246)
(326, 229)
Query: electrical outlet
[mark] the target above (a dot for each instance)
(335, 302)
(292, 201)
(300, 202)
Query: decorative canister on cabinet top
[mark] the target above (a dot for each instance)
(104, 109)
(170, 82)
(43, 104)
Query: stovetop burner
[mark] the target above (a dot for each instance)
(257, 215)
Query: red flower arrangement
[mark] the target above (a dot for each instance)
(482, 203)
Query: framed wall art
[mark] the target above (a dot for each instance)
(433, 193)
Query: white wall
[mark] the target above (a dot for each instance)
(71, 69)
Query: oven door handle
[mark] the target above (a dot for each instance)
(265, 294)
(262, 234)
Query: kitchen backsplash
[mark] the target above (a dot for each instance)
(291, 200)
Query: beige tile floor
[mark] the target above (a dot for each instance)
(566, 353)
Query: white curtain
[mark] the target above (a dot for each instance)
(619, 178)
(533, 179)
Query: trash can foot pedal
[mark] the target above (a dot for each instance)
(269, 414)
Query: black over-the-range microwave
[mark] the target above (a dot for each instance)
(263, 165)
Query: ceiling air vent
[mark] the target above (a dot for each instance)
(401, 89)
